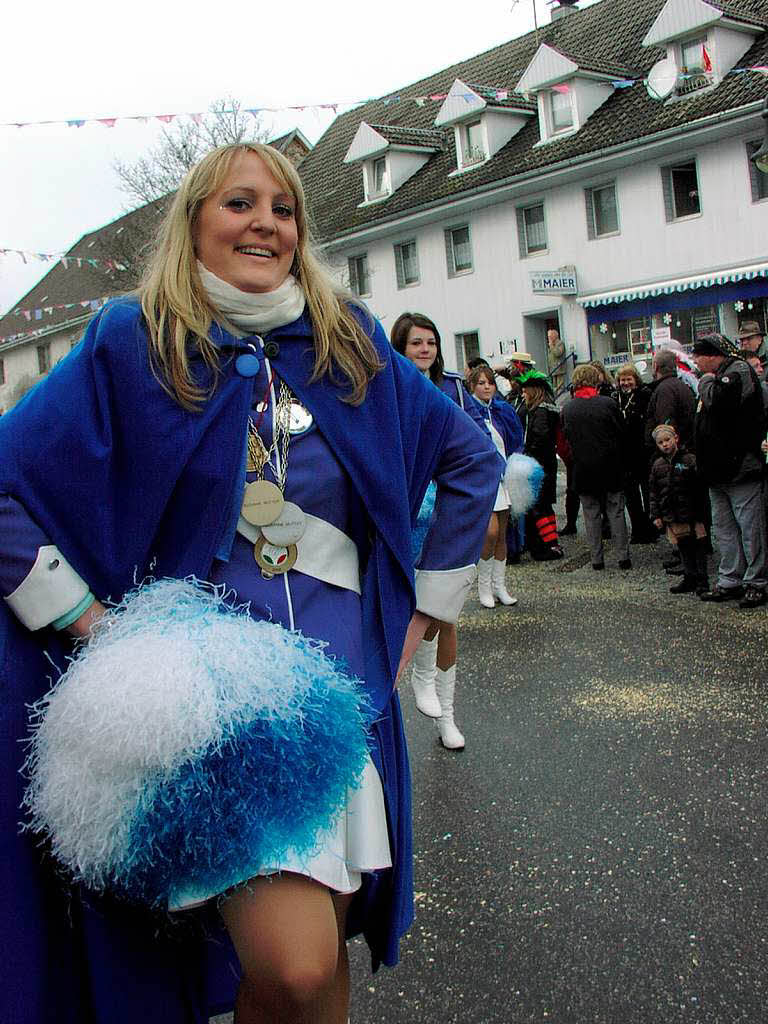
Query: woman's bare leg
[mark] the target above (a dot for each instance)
(491, 536)
(288, 932)
(500, 547)
(446, 646)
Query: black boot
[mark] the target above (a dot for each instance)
(687, 585)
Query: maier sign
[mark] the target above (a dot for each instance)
(555, 282)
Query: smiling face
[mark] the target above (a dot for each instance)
(246, 230)
(421, 347)
(627, 382)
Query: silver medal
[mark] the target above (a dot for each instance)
(300, 419)
(288, 528)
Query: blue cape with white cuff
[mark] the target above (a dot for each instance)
(127, 484)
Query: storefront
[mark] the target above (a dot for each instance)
(627, 325)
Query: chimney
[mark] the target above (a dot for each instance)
(563, 9)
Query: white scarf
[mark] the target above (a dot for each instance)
(254, 312)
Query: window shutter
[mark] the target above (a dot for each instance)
(590, 213)
(449, 253)
(353, 283)
(521, 239)
(399, 269)
(669, 199)
(757, 179)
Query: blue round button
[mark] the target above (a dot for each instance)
(247, 365)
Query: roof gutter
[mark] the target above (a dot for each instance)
(500, 191)
(45, 332)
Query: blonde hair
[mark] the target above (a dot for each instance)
(176, 307)
(585, 375)
(628, 370)
(477, 373)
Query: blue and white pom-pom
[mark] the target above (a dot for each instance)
(523, 478)
(423, 520)
(188, 746)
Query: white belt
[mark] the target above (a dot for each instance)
(325, 552)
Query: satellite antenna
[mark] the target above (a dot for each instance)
(662, 79)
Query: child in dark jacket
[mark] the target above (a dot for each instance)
(679, 504)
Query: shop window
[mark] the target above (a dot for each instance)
(602, 211)
(458, 251)
(531, 230)
(758, 179)
(680, 184)
(359, 278)
(44, 357)
(406, 264)
(467, 347)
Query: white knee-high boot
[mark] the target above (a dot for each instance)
(484, 591)
(450, 736)
(498, 582)
(423, 678)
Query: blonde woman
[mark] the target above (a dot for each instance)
(239, 363)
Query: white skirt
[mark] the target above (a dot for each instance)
(357, 842)
(502, 499)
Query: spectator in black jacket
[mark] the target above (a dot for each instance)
(632, 397)
(672, 402)
(730, 426)
(594, 429)
(541, 426)
(679, 505)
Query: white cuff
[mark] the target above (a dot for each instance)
(441, 593)
(51, 589)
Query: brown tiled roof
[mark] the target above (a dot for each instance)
(608, 34)
(399, 136)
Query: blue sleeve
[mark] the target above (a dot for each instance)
(20, 540)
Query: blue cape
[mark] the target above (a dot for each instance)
(128, 483)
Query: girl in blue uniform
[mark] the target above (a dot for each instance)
(239, 370)
(501, 422)
(433, 676)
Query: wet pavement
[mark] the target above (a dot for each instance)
(597, 854)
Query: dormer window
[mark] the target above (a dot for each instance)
(561, 109)
(379, 185)
(472, 143)
(694, 63)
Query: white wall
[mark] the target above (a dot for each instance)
(496, 298)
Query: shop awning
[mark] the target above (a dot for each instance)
(679, 284)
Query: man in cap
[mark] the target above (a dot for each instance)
(730, 425)
(752, 339)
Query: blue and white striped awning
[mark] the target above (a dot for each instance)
(680, 284)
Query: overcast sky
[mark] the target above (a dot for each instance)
(91, 60)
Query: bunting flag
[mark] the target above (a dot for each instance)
(65, 259)
(30, 315)
(499, 94)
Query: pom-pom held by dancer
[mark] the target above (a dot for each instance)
(240, 421)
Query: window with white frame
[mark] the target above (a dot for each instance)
(758, 179)
(531, 230)
(680, 184)
(44, 357)
(602, 210)
(458, 250)
(560, 109)
(359, 278)
(406, 264)
(694, 62)
(472, 143)
(467, 347)
(379, 178)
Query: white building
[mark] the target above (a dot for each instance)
(608, 159)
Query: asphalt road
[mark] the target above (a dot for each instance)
(597, 854)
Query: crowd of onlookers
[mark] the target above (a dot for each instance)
(683, 457)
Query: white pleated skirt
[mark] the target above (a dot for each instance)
(502, 499)
(357, 842)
